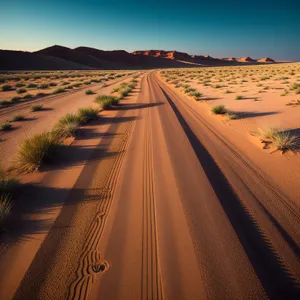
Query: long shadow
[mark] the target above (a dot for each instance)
(90, 133)
(32, 199)
(275, 279)
(248, 98)
(209, 98)
(113, 120)
(254, 114)
(137, 106)
(35, 199)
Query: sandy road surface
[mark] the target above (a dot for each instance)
(167, 208)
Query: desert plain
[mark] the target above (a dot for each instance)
(166, 183)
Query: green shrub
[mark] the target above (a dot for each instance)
(27, 96)
(268, 132)
(219, 110)
(16, 118)
(77, 84)
(5, 102)
(6, 87)
(31, 85)
(15, 99)
(188, 90)
(67, 126)
(37, 107)
(285, 140)
(58, 91)
(7, 184)
(36, 149)
(43, 86)
(89, 92)
(52, 84)
(124, 92)
(21, 91)
(195, 94)
(87, 113)
(231, 116)
(5, 206)
(6, 125)
(115, 90)
(20, 84)
(239, 97)
(105, 101)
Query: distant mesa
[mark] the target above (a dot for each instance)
(175, 55)
(229, 59)
(63, 58)
(266, 59)
(246, 59)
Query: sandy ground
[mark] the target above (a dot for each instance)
(54, 107)
(160, 200)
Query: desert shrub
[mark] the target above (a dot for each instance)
(89, 92)
(87, 113)
(228, 92)
(77, 84)
(15, 99)
(21, 91)
(69, 87)
(16, 118)
(115, 90)
(43, 86)
(124, 92)
(294, 86)
(268, 132)
(6, 125)
(5, 206)
(189, 90)
(36, 149)
(185, 86)
(132, 85)
(31, 85)
(65, 83)
(67, 126)
(5, 103)
(238, 97)
(37, 107)
(52, 84)
(285, 140)
(27, 96)
(7, 184)
(219, 110)
(195, 94)
(105, 101)
(231, 116)
(58, 91)
(20, 84)
(87, 82)
(6, 87)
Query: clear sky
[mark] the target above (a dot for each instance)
(220, 28)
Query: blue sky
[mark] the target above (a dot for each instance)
(219, 28)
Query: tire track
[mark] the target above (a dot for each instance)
(151, 279)
(91, 262)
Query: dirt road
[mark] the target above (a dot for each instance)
(168, 208)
